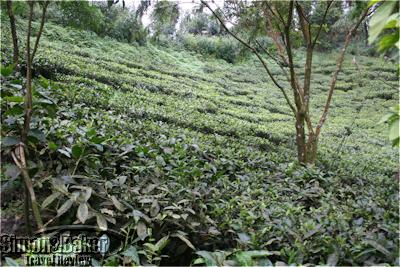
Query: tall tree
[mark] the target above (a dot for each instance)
(165, 15)
(142, 8)
(283, 20)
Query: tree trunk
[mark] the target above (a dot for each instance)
(301, 138)
(28, 93)
(306, 151)
(13, 33)
(312, 148)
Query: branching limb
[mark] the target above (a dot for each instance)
(338, 69)
(252, 49)
(298, 94)
(39, 34)
(328, 5)
(20, 160)
(279, 63)
(28, 93)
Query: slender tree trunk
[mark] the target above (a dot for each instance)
(307, 146)
(300, 138)
(28, 93)
(13, 33)
(311, 149)
(21, 162)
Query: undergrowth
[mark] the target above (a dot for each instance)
(200, 152)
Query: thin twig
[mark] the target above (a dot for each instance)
(338, 69)
(256, 53)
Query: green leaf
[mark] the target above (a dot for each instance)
(160, 160)
(379, 19)
(96, 139)
(162, 243)
(208, 258)
(132, 253)
(38, 134)
(388, 41)
(60, 186)
(117, 204)
(184, 239)
(83, 212)
(44, 82)
(373, 2)
(244, 258)
(333, 259)
(52, 146)
(65, 207)
(6, 71)
(154, 208)
(50, 199)
(378, 247)
(101, 222)
(11, 262)
(260, 253)
(12, 171)
(14, 99)
(393, 21)
(243, 238)
(91, 132)
(85, 194)
(16, 85)
(198, 261)
(77, 151)
(141, 230)
(64, 152)
(265, 262)
(10, 141)
(14, 111)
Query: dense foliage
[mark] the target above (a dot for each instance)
(185, 157)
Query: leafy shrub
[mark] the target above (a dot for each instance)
(79, 14)
(199, 22)
(123, 25)
(218, 46)
(136, 124)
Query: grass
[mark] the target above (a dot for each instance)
(226, 140)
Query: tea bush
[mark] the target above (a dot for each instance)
(193, 158)
(219, 46)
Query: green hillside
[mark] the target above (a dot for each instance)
(196, 144)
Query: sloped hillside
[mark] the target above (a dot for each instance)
(199, 145)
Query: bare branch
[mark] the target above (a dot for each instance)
(304, 24)
(252, 49)
(338, 69)
(278, 15)
(28, 93)
(39, 34)
(293, 78)
(329, 3)
(279, 63)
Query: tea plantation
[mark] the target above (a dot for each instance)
(201, 152)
